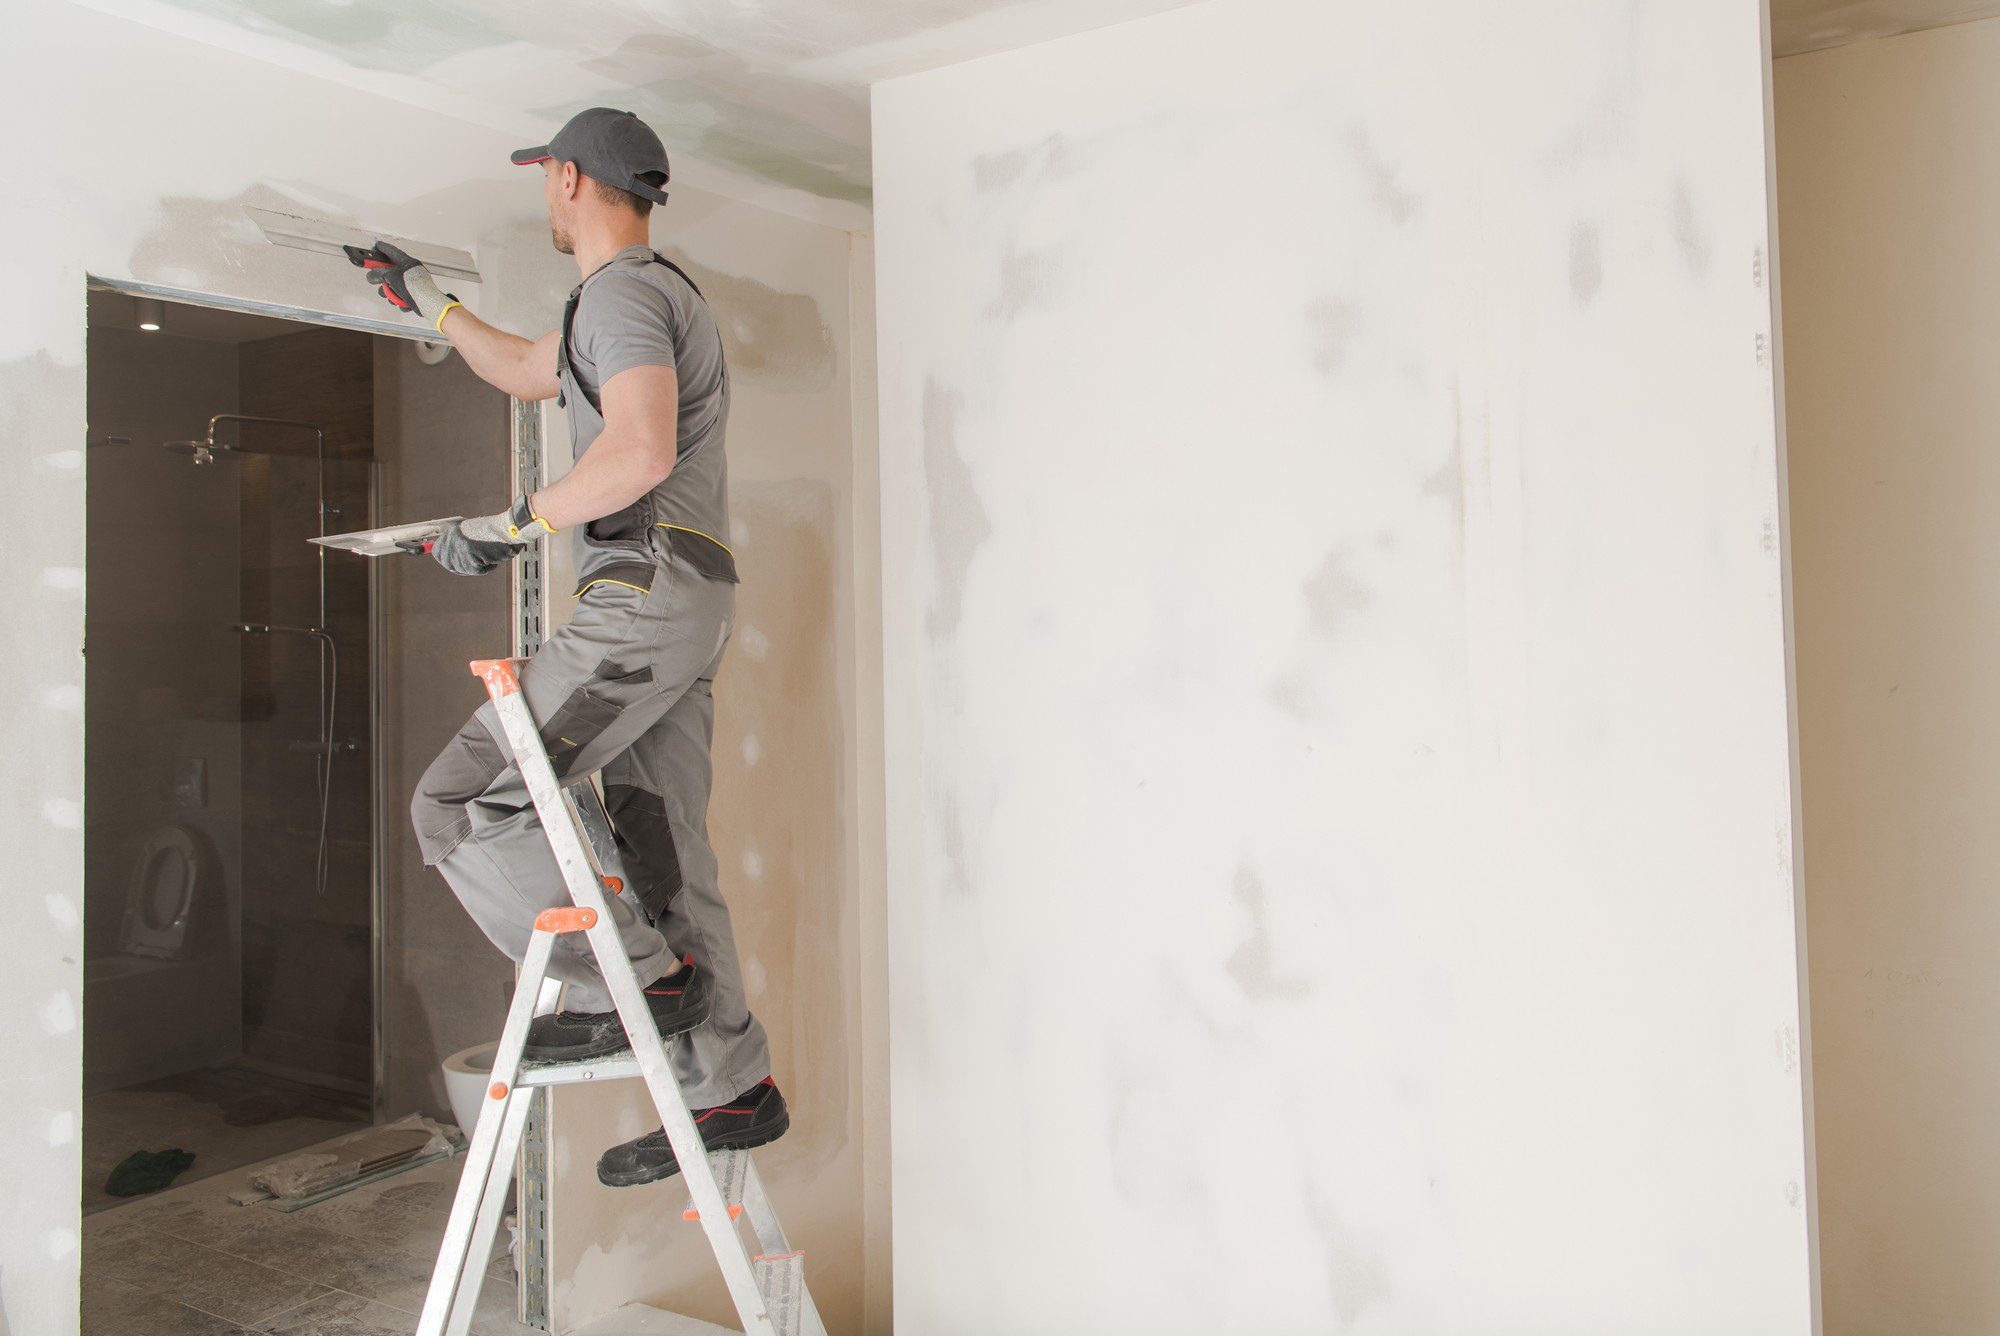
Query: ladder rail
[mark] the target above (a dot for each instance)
(563, 824)
(482, 1152)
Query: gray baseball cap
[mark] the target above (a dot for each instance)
(611, 146)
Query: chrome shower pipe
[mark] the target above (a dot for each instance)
(205, 450)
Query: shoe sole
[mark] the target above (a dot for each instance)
(748, 1139)
(555, 1057)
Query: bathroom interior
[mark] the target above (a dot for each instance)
(268, 964)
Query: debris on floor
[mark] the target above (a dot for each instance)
(350, 1159)
(146, 1171)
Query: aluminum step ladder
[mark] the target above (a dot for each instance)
(769, 1288)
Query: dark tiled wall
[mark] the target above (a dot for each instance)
(162, 698)
(308, 985)
(442, 436)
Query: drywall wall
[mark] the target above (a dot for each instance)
(1799, 26)
(144, 169)
(1889, 209)
(1338, 775)
(788, 804)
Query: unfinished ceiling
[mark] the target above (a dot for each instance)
(1811, 25)
(776, 90)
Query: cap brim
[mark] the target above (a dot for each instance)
(528, 157)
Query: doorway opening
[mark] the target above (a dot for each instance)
(267, 962)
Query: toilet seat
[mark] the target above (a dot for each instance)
(167, 878)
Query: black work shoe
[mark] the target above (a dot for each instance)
(751, 1119)
(679, 1002)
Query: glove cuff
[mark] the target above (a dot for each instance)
(523, 524)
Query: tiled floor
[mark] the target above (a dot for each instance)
(227, 1117)
(188, 1261)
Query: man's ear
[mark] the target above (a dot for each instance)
(572, 179)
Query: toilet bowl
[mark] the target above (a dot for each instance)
(467, 1073)
(167, 895)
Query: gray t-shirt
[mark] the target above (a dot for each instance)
(632, 312)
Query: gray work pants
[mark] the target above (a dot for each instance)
(625, 689)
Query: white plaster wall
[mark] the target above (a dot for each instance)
(146, 148)
(1339, 812)
(1890, 208)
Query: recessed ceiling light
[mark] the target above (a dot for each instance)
(149, 313)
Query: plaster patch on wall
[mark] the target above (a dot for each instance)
(958, 519)
(1026, 277)
(777, 339)
(1395, 200)
(1251, 963)
(1331, 325)
(1334, 592)
(1356, 1280)
(58, 1013)
(66, 697)
(1688, 233)
(1048, 158)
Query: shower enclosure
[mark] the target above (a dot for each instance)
(268, 962)
(230, 887)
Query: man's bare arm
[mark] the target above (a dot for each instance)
(633, 456)
(524, 368)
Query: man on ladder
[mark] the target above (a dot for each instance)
(624, 688)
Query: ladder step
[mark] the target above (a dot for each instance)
(618, 1067)
(732, 1174)
(782, 1282)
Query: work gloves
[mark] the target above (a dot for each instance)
(403, 281)
(476, 546)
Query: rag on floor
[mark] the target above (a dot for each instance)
(146, 1171)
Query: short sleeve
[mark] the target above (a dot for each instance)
(623, 322)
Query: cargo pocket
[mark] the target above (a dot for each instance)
(590, 709)
(646, 842)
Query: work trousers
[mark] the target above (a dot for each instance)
(623, 689)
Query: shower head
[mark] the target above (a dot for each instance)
(205, 449)
(202, 451)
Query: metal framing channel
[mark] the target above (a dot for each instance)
(379, 817)
(531, 1173)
